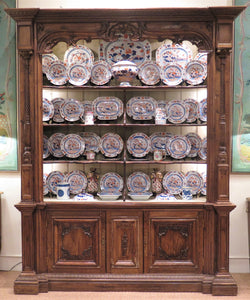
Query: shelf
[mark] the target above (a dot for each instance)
(122, 125)
(136, 161)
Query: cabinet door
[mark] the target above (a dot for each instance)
(174, 241)
(76, 243)
(124, 242)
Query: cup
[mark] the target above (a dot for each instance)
(159, 154)
(90, 155)
(63, 191)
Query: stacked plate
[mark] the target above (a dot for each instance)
(138, 184)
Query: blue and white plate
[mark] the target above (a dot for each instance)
(45, 185)
(138, 182)
(57, 103)
(46, 60)
(141, 108)
(111, 183)
(203, 110)
(193, 106)
(78, 181)
(54, 144)
(108, 108)
(71, 110)
(149, 72)
(173, 182)
(78, 74)
(57, 72)
(139, 144)
(195, 141)
(177, 111)
(111, 145)
(178, 146)
(48, 110)
(194, 182)
(159, 140)
(203, 149)
(100, 72)
(201, 57)
(53, 179)
(172, 74)
(195, 72)
(79, 54)
(92, 141)
(72, 145)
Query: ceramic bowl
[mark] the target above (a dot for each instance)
(124, 71)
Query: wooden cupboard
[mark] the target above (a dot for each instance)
(125, 245)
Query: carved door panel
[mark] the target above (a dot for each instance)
(174, 241)
(77, 243)
(124, 242)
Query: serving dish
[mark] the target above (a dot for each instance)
(173, 182)
(100, 72)
(194, 182)
(109, 196)
(177, 111)
(71, 110)
(72, 145)
(77, 180)
(54, 144)
(138, 182)
(178, 146)
(92, 141)
(111, 145)
(195, 72)
(139, 144)
(107, 108)
(159, 140)
(57, 72)
(53, 179)
(141, 107)
(78, 74)
(149, 72)
(140, 196)
(111, 183)
(193, 107)
(195, 141)
(172, 74)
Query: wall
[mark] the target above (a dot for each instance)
(10, 182)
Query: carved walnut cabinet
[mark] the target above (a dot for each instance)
(125, 245)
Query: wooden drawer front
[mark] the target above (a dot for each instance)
(77, 245)
(124, 247)
(173, 242)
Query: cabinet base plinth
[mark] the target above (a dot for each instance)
(43, 283)
(224, 285)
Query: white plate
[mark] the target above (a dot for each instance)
(195, 72)
(100, 72)
(71, 110)
(203, 149)
(53, 179)
(78, 181)
(72, 145)
(78, 74)
(173, 182)
(192, 110)
(57, 117)
(108, 108)
(201, 57)
(111, 183)
(195, 141)
(159, 140)
(141, 108)
(172, 74)
(140, 196)
(202, 112)
(54, 144)
(194, 182)
(92, 141)
(138, 182)
(48, 110)
(149, 72)
(178, 146)
(57, 72)
(46, 60)
(79, 54)
(139, 144)
(177, 111)
(111, 145)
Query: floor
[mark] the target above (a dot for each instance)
(7, 278)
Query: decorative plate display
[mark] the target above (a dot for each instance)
(149, 72)
(77, 180)
(203, 149)
(173, 182)
(57, 102)
(45, 185)
(92, 141)
(159, 140)
(178, 146)
(194, 182)
(177, 111)
(78, 74)
(139, 144)
(192, 110)
(111, 183)
(45, 147)
(53, 179)
(195, 72)
(57, 72)
(138, 182)
(204, 187)
(71, 110)
(124, 49)
(100, 72)
(201, 57)
(107, 108)
(54, 144)
(172, 74)
(141, 108)
(168, 53)
(48, 110)
(72, 145)
(203, 110)
(46, 60)
(79, 54)
(111, 144)
(195, 141)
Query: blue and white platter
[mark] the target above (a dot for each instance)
(173, 182)
(78, 74)
(195, 72)
(193, 106)
(53, 179)
(202, 112)
(57, 72)
(111, 145)
(107, 108)
(177, 111)
(100, 72)
(111, 183)
(79, 54)
(141, 108)
(71, 110)
(172, 74)
(54, 144)
(72, 145)
(78, 182)
(178, 146)
(195, 141)
(194, 182)
(139, 144)
(138, 182)
(57, 103)
(48, 110)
